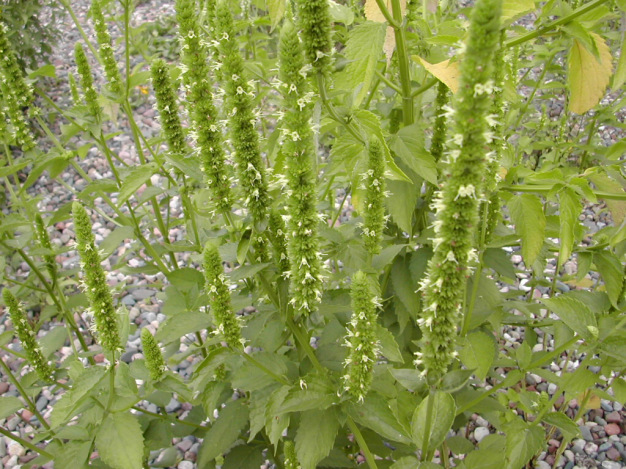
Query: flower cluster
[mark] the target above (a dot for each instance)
(21, 132)
(374, 198)
(74, 90)
(44, 240)
(245, 138)
(456, 203)
(86, 82)
(277, 232)
(291, 460)
(361, 338)
(303, 242)
(27, 336)
(152, 353)
(11, 72)
(106, 50)
(439, 131)
(219, 298)
(314, 19)
(94, 282)
(168, 107)
(200, 105)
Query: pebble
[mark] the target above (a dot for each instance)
(612, 429)
(15, 449)
(585, 432)
(613, 454)
(3, 447)
(185, 465)
(611, 465)
(542, 465)
(173, 406)
(591, 448)
(142, 294)
(613, 417)
(480, 433)
(4, 387)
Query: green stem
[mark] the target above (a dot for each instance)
(403, 64)
(369, 457)
(592, 131)
(321, 86)
(545, 188)
(425, 87)
(388, 16)
(67, 5)
(389, 83)
(550, 26)
(26, 444)
(338, 214)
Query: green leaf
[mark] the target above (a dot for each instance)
(120, 442)
(186, 278)
(316, 436)
(522, 444)
(112, 242)
(611, 270)
(375, 414)
(588, 76)
(244, 456)
(340, 13)
(9, 405)
(184, 323)
(388, 345)
(620, 72)
(53, 340)
(401, 203)
(408, 144)
(247, 271)
(403, 285)
(73, 454)
(44, 71)
(84, 383)
(251, 378)
(14, 168)
(276, 10)
(530, 224)
(569, 210)
(407, 462)
(513, 8)
(567, 426)
(363, 49)
(410, 378)
(443, 414)
(619, 389)
(275, 423)
(460, 445)
(387, 255)
(134, 180)
(224, 432)
(477, 353)
(575, 314)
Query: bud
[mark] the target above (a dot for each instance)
(27, 336)
(94, 280)
(361, 338)
(44, 240)
(86, 82)
(167, 105)
(106, 50)
(374, 211)
(291, 460)
(219, 297)
(314, 16)
(152, 353)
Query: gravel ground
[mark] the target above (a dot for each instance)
(603, 437)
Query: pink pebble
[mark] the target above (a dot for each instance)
(612, 429)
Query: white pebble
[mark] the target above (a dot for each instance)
(542, 465)
(480, 433)
(185, 465)
(15, 449)
(552, 388)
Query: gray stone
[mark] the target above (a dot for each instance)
(578, 446)
(150, 317)
(611, 465)
(604, 446)
(480, 433)
(185, 465)
(3, 447)
(585, 432)
(142, 294)
(128, 300)
(591, 448)
(173, 406)
(127, 357)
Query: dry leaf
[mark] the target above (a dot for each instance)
(588, 78)
(390, 43)
(446, 71)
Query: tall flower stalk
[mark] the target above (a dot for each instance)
(9, 67)
(167, 106)
(153, 355)
(299, 150)
(94, 282)
(361, 339)
(105, 48)
(86, 82)
(244, 135)
(314, 20)
(44, 240)
(456, 203)
(200, 105)
(374, 215)
(27, 336)
(219, 298)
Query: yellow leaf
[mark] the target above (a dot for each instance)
(513, 8)
(445, 71)
(593, 402)
(620, 71)
(582, 283)
(373, 13)
(588, 77)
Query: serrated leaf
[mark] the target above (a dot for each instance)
(388, 345)
(403, 286)
(410, 378)
(224, 432)
(9, 405)
(375, 414)
(514, 8)
(619, 390)
(620, 71)
(184, 323)
(53, 340)
(276, 10)
(446, 71)
(574, 313)
(120, 442)
(569, 210)
(408, 144)
(134, 180)
(443, 414)
(521, 445)
(86, 381)
(616, 207)
(407, 462)
(477, 352)
(530, 224)
(244, 456)
(567, 426)
(363, 49)
(315, 436)
(588, 77)
(612, 272)
(401, 203)
(340, 13)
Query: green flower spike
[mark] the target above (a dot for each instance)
(44, 240)
(219, 298)
(9, 67)
(439, 132)
(299, 150)
(291, 460)
(456, 203)
(74, 90)
(21, 132)
(374, 198)
(106, 50)
(152, 353)
(314, 16)
(361, 338)
(277, 232)
(244, 135)
(94, 282)
(167, 105)
(200, 105)
(86, 82)
(27, 336)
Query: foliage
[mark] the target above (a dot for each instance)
(370, 197)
